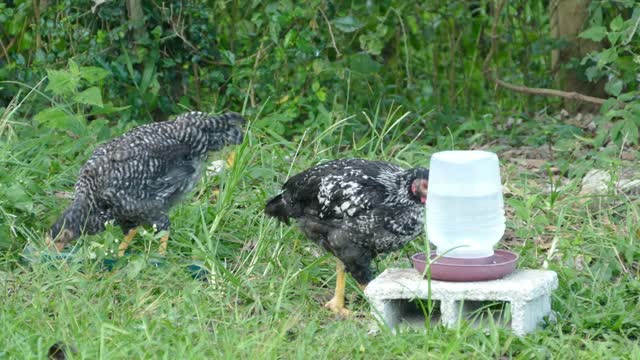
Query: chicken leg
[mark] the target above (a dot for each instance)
(231, 159)
(336, 304)
(127, 241)
(164, 241)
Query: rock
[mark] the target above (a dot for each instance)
(599, 183)
(595, 182)
(628, 155)
(629, 187)
(215, 167)
(559, 185)
(393, 296)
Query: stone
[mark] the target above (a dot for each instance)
(603, 191)
(399, 296)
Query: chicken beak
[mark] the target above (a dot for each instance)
(61, 240)
(51, 244)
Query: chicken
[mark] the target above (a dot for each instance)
(136, 178)
(355, 209)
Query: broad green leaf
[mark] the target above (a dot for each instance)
(7, 70)
(347, 24)
(321, 94)
(613, 37)
(371, 43)
(148, 75)
(290, 38)
(634, 108)
(74, 69)
(629, 96)
(15, 194)
(26, 41)
(614, 113)
(363, 63)
(606, 56)
(62, 82)
(630, 31)
(231, 57)
(592, 73)
(133, 269)
(614, 86)
(157, 32)
(413, 24)
(108, 108)
(616, 129)
(595, 33)
(40, 57)
(56, 118)
(616, 24)
(91, 96)
(93, 74)
(16, 24)
(630, 131)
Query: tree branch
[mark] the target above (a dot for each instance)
(5, 52)
(549, 92)
(136, 17)
(492, 74)
(333, 39)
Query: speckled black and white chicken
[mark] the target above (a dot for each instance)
(136, 178)
(355, 209)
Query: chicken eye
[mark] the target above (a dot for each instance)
(424, 185)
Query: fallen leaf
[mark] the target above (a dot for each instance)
(627, 155)
(533, 164)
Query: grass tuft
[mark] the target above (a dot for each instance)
(267, 284)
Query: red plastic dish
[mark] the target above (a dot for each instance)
(501, 264)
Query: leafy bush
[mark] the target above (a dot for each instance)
(303, 66)
(616, 24)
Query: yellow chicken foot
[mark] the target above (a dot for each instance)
(164, 241)
(231, 159)
(336, 304)
(127, 240)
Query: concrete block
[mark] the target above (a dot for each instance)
(399, 296)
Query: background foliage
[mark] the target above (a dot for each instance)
(280, 56)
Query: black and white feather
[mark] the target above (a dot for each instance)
(136, 178)
(355, 208)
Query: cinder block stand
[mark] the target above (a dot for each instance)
(399, 296)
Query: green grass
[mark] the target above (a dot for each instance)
(269, 283)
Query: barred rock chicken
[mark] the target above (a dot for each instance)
(355, 209)
(136, 178)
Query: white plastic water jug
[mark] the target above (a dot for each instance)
(465, 209)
